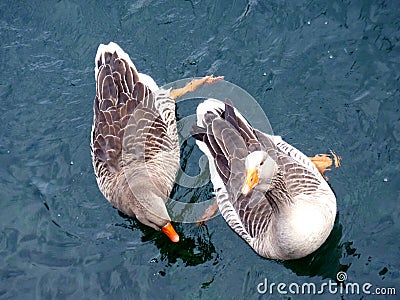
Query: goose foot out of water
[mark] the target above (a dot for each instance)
(193, 85)
(323, 162)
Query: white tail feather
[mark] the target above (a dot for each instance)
(113, 47)
(211, 105)
(214, 105)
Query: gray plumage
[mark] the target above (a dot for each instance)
(291, 212)
(134, 141)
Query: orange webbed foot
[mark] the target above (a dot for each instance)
(336, 158)
(323, 162)
(193, 85)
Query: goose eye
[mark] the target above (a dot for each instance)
(261, 163)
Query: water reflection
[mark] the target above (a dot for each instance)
(191, 250)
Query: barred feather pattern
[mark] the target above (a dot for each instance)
(134, 129)
(227, 139)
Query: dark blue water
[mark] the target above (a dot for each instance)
(326, 73)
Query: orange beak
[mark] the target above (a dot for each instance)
(170, 232)
(250, 181)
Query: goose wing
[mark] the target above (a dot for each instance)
(227, 138)
(132, 124)
(299, 173)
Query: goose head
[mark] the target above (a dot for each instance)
(260, 169)
(149, 209)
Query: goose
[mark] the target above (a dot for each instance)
(271, 194)
(134, 140)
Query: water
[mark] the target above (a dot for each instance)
(326, 74)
